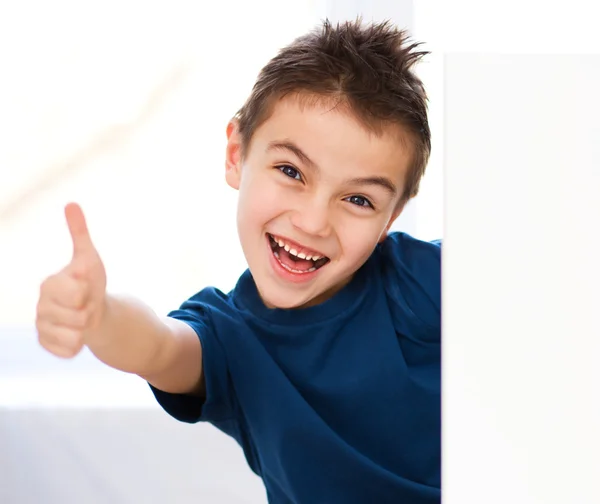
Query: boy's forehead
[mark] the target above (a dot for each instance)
(326, 132)
(301, 108)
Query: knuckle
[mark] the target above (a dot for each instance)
(44, 313)
(59, 337)
(42, 306)
(61, 350)
(45, 339)
(43, 343)
(45, 287)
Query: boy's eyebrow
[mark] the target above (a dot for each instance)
(384, 182)
(287, 145)
(294, 149)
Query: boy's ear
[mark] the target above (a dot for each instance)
(394, 216)
(233, 155)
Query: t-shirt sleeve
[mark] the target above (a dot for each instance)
(412, 276)
(216, 407)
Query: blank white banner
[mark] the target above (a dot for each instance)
(521, 334)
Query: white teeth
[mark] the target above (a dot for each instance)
(293, 270)
(292, 251)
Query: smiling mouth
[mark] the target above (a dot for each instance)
(293, 260)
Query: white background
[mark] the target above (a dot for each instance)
(111, 109)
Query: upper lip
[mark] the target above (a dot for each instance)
(298, 246)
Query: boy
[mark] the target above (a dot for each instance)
(324, 361)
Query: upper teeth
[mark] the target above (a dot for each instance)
(294, 252)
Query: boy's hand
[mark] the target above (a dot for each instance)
(73, 300)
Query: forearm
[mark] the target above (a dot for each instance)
(164, 351)
(130, 336)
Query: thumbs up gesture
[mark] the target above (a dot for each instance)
(72, 301)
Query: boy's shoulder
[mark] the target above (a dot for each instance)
(410, 244)
(411, 274)
(410, 254)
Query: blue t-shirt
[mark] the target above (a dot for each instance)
(336, 403)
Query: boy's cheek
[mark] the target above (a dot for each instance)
(359, 243)
(256, 212)
(265, 201)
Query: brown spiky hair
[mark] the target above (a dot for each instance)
(366, 68)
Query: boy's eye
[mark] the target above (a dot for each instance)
(360, 201)
(290, 172)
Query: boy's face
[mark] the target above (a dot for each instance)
(317, 182)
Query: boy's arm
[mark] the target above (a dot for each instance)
(164, 351)
(74, 310)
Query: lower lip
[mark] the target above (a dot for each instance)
(286, 275)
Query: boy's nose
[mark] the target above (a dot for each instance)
(312, 219)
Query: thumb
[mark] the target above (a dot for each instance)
(82, 242)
